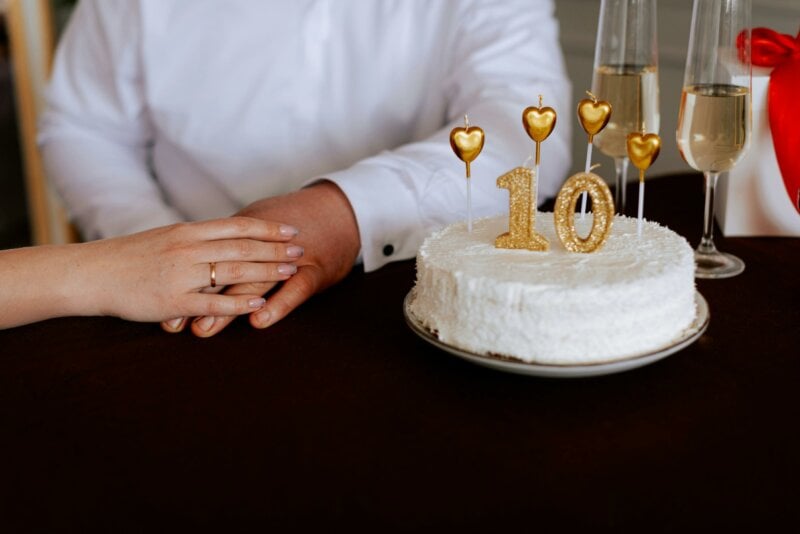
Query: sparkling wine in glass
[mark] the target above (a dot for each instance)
(626, 75)
(714, 122)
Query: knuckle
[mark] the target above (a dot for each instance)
(305, 286)
(242, 224)
(180, 230)
(280, 306)
(245, 248)
(213, 308)
(242, 306)
(236, 271)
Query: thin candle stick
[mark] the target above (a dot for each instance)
(535, 189)
(467, 143)
(594, 116)
(588, 169)
(469, 205)
(641, 204)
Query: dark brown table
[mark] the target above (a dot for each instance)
(340, 415)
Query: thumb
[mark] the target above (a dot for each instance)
(295, 291)
(207, 326)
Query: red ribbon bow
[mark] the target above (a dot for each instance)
(782, 52)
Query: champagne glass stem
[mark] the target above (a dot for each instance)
(621, 166)
(707, 241)
(709, 262)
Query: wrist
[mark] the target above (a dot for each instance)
(339, 214)
(81, 276)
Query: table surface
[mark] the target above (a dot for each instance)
(341, 415)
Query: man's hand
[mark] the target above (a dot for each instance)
(329, 236)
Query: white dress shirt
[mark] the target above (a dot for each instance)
(168, 110)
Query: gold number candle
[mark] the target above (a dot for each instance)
(521, 214)
(467, 143)
(643, 149)
(602, 209)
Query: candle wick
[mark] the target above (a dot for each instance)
(466, 121)
(596, 165)
(591, 95)
(540, 101)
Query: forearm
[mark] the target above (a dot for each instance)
(38, 283)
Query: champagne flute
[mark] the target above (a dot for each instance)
(714, 122)
(626, 75)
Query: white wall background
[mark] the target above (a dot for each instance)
(578, 19)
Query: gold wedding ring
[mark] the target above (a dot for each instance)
(213, 267)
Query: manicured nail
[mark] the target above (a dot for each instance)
(174, 324)
(256, 303)
(294, 251)
(205, 323)
(287, 268)
(262, 318)
(288, 231)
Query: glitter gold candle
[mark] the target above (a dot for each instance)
(602, 209)
(521, 213)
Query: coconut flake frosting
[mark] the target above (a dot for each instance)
(633, 296)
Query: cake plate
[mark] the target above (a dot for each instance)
(687, 337)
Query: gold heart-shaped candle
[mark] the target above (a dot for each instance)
(643, 149)
(593, 115)
(539, 122)
(467, 143)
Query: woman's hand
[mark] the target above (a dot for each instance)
(166, 273)
(155, 275)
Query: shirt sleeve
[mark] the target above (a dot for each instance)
(503, 55)
(94, 135)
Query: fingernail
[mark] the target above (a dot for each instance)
(262, 318)
(294, 251)
(288, 231)
(256, 303)
(175, 323)
(205, 323)
(287, 268)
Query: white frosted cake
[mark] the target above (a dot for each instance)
(633, 296)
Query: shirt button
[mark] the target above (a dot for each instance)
(388, 250)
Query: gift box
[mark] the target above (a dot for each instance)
(761, 195)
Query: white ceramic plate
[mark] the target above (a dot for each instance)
(689, 336)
